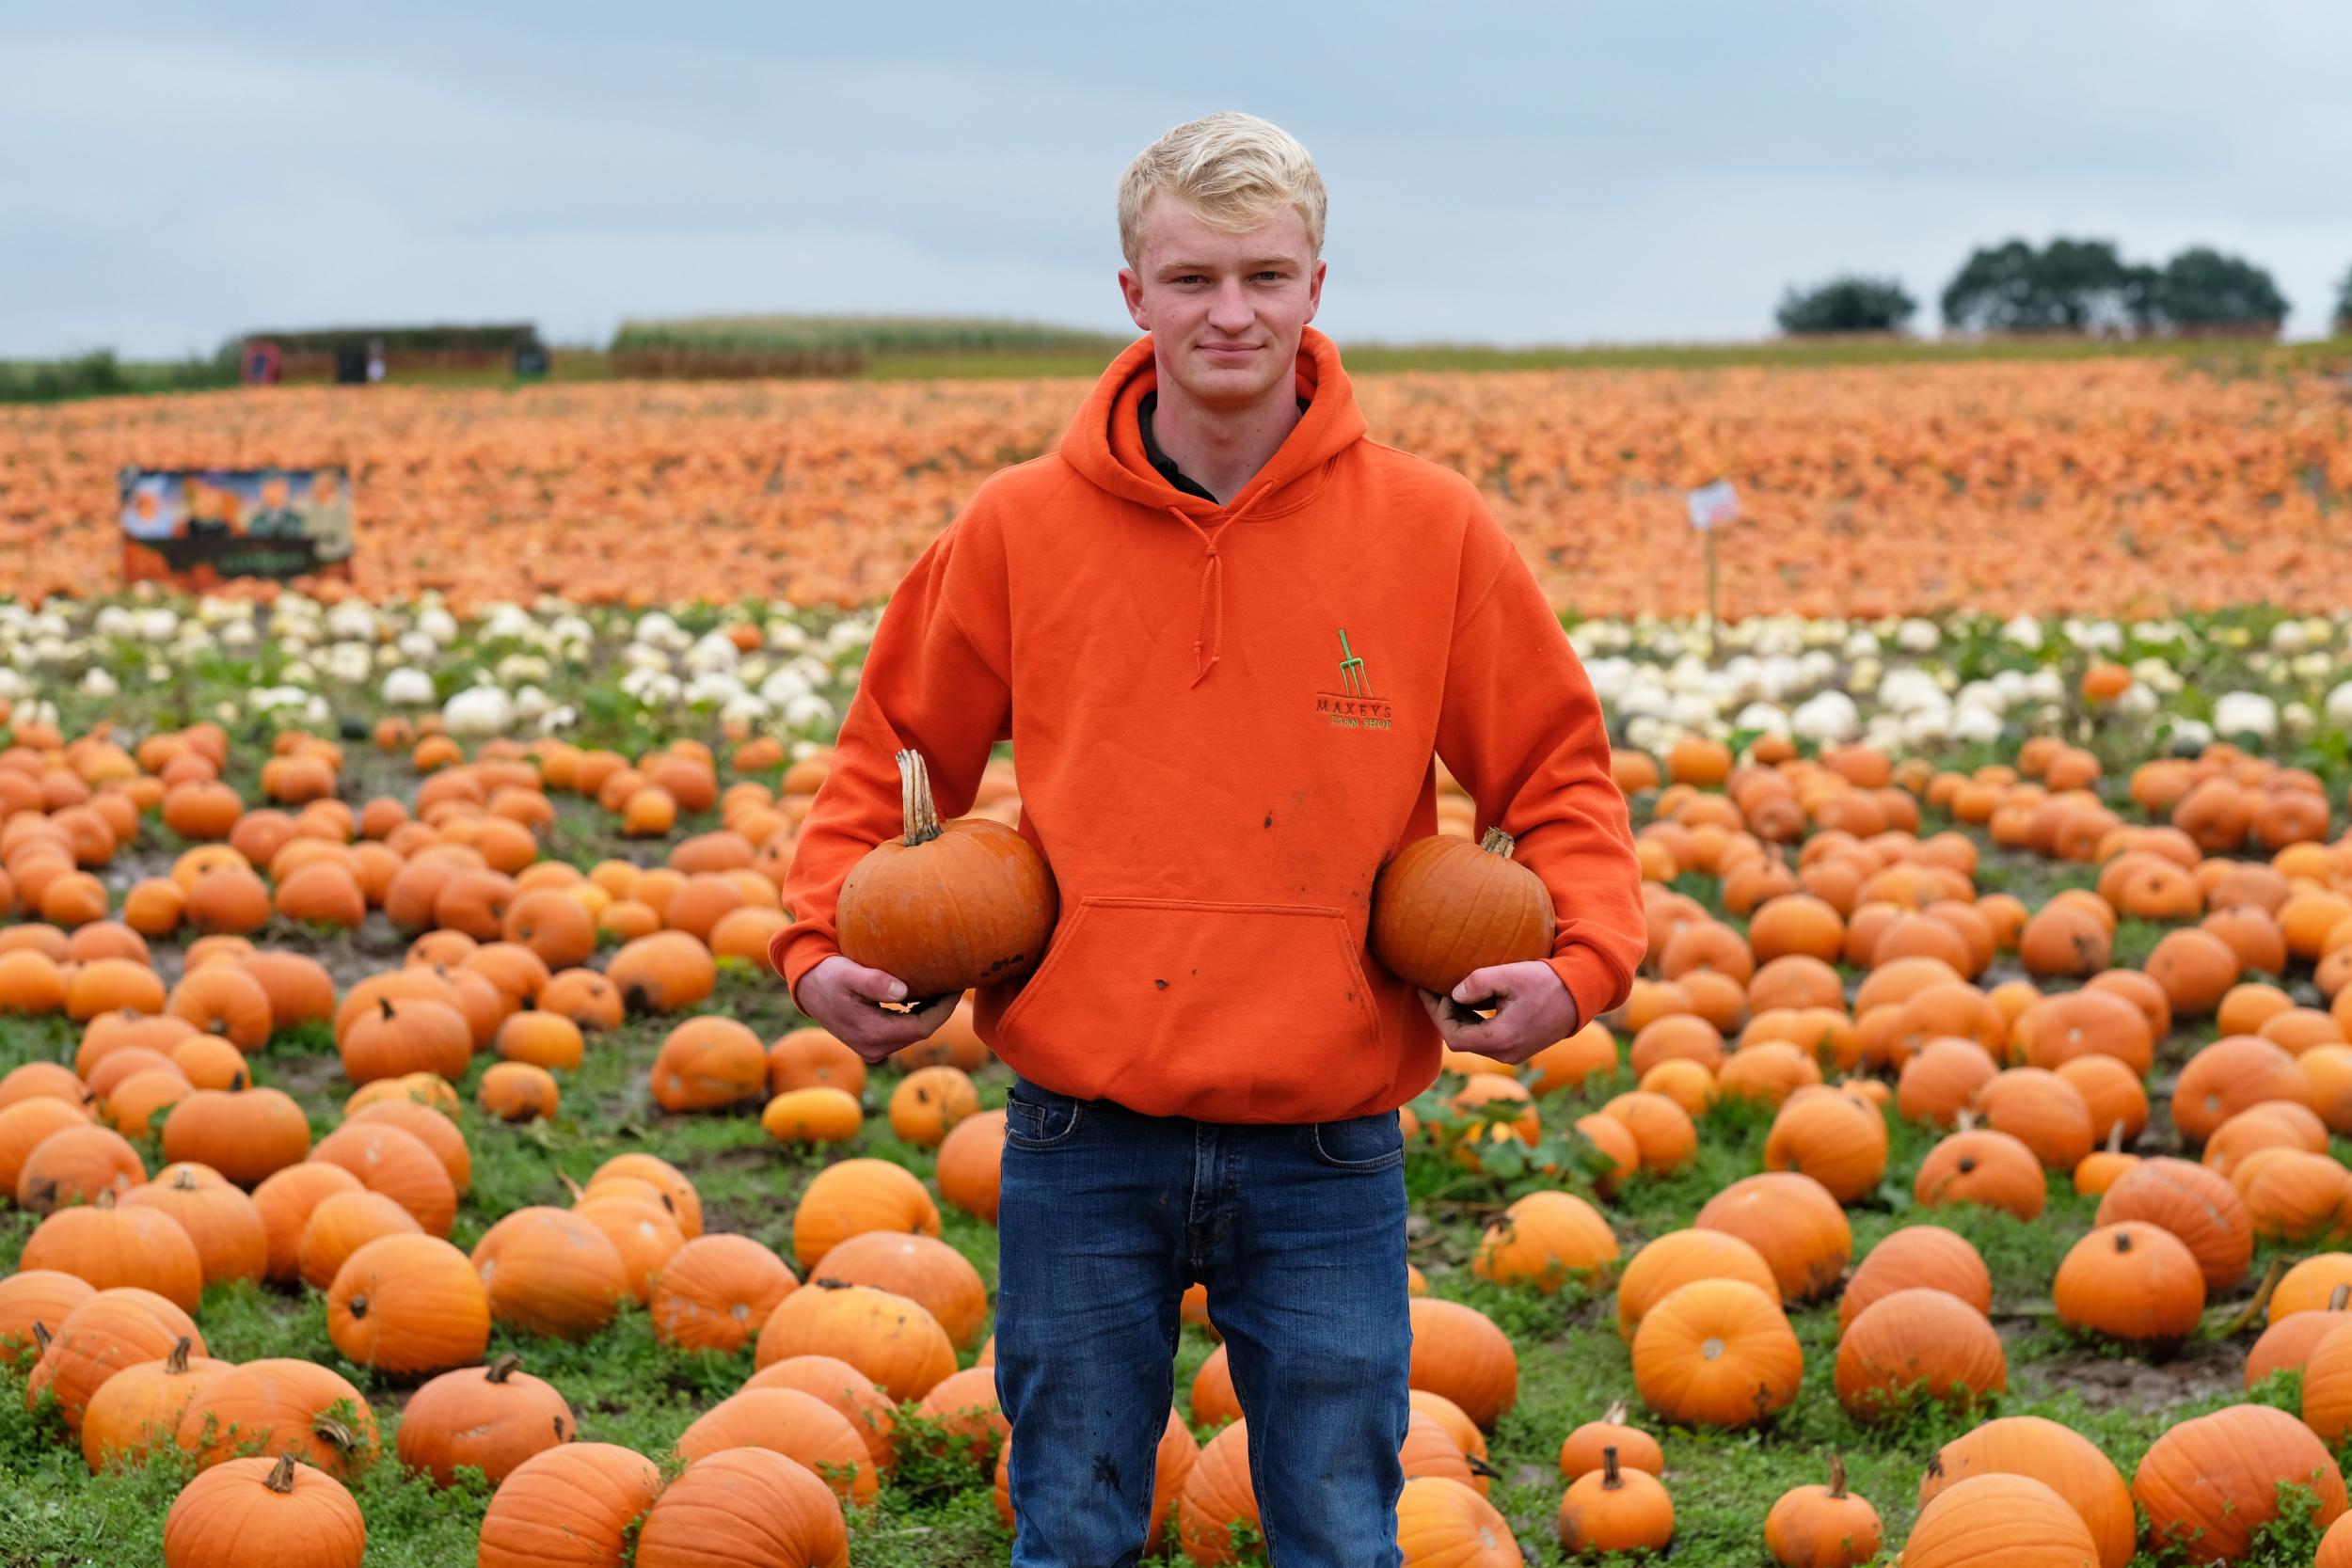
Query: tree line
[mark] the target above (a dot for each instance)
(2081, 287)
(99, 373)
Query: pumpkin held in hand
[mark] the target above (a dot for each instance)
(947, 907)
(1444, 906)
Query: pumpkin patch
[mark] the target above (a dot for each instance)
(406, 1147)
(1985, 483)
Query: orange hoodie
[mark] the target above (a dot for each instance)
(1223, 718)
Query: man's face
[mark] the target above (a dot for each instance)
(1225, 310)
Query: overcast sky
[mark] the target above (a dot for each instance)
(1543, 172)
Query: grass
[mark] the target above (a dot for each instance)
(1573, 1364)
(952, 349)
(865, 334)
(845, 345)
(1823, 350)
(627, 1388)
(914, 360)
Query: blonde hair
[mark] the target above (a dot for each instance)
(1236, 170)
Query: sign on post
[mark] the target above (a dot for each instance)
(196, 527)
(1714, 507)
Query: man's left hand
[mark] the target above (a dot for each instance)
(1534, 1009)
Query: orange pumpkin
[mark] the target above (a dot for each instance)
(946, 908)
(1716, 1353)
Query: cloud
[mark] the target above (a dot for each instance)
(1532, 173)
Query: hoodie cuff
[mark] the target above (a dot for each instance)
(1593, 982)
(795, 953)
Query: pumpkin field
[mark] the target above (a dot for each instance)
(409, 1157)
(2117, 486)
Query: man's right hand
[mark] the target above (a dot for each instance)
(845, 997)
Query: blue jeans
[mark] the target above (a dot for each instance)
(1105, 1216)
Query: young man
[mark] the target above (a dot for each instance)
(1226, 634)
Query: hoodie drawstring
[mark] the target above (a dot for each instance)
(1209, 632)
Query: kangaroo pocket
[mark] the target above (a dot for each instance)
(1228, 1012)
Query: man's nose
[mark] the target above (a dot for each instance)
(1230, 310)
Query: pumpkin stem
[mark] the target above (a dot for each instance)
(831, 1284)
(40, 1335)
(336, 1432)
(572, 1187)
(358, 1306)
(914, 793)
(1836, 1476)
(2255, 1307)
(1968, 1121)
(386, 1003)
(2115, 1137)
(504, 1368)
(1496, 842)
(1615, 1415)
(176, 1362)
(2123, 1241)
(280, 1478)
(106, 1198)
(2337, 1297)
(185, 1181)
(1610, 1480)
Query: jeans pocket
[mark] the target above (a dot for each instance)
(1036, 1119)
(1370, 1143)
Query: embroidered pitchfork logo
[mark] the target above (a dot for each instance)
(1351, 678)
(1353, 706)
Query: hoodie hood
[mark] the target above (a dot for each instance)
(1105, 443)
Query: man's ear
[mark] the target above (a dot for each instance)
(1131, 289)
(1314, 289)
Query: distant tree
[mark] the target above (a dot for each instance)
(97, 374)
(2067, 286)
(2343, 305)
(2203, 288)
(1847, 303)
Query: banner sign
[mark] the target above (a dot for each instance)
(1714, 505)
(197, 528)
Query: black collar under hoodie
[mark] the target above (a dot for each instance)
(1165, 465)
